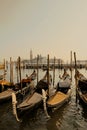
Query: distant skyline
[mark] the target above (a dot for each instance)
(53, 27)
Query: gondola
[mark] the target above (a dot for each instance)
(81, 87)
(9, 88)
(62, 94)
(31, 101)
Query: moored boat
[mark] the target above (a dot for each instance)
(81, 87)
(62, 94)
(31, 101)
(8, 88)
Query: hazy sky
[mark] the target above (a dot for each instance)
(53, 27)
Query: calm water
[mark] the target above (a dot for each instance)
(71, 116)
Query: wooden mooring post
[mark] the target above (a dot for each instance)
(19, 61)
(48, 73)
(71, 64)
(54, 72)
(76, 82)
(37, 67)
(11, 70)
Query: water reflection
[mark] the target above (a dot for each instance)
(56, 118)
(35, 120)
